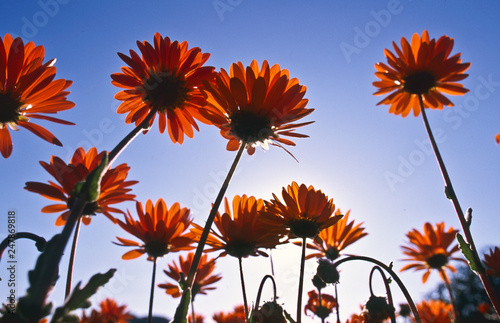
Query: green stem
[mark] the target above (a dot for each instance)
(393, 275)
(301, 281)
(450, 192)
(40, 242)
(320, 304)
(206, 230)
(151, 295)
(243, 289)
(144, 125)
(69, 277)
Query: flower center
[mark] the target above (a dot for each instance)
(156, 248)
(419, 82)
(164, 91)
(249, 127)
(304, 228)
(332, 253)
(437, 261)
(240, 249)
(9, 108)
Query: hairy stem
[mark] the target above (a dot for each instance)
(301, 281)
(69, 277)
(243, 289)
(152, 293)
(450, 192)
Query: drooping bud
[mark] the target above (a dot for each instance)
(327, 271)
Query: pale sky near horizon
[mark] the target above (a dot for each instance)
(378, 165)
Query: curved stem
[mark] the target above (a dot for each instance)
(69, 277)
(242, 280)
(151, 295)
(261, 286)
(301, 281)
(40, 242)
(210, 220)
(450, 192)
(393, 275)
(387, 290)
(144, 125)
(447, 284)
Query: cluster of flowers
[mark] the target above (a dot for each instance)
(252, 105)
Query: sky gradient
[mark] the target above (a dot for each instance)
(378, 165)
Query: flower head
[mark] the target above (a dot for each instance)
(492, 262)
(109, 312)
(377, 309)
(161, 230)
(168, 78)
(114, 186)
(422, 68)
(431, 250)
(28, 91)
(304, 213)
(435, 311)
(203, 278)
(328, 303)
(269, 312)
(241, 233)
(334, 239)
(236, 316)
(256, 106)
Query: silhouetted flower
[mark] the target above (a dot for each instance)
(28, 91)
(114, 187)
(323, 310)
(161, 230)
(256, 106)
(168, 78)
(420, 68)
(492, 261)
(429, 250)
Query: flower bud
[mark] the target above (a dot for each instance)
(327, 271)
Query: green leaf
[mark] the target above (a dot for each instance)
(89, 189)
(79, 298)
(288, 317)
(183, 307)
(467, 251)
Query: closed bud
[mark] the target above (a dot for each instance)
(327, 271)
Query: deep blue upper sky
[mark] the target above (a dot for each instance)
(378, 165)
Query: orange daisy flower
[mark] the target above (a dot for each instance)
(162, 230)
(423, 68)
(236, 316)
(256, 106)
(28, 91)
(430, 250)
(497, 138)
(240, 233)
(109, 312)
(334, 239)
(114, 186)
(168, 78)
(304, 214)
(435, 311)
(198, 318)
(203, 279)
(323, 310)
(492, 261)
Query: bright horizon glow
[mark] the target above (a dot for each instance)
(378, 165)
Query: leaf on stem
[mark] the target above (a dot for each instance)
(467, 251)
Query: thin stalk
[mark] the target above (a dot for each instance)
(69, 277)
(403, 288)
(387, 290)
(193, 316)
(488, 286)
(152, 294)
(144, 125)
(337, 303)
(243, 289)
(450, 292)
(261, 286)
(301, 281)
(210, 220)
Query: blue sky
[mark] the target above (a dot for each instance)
(377, 165)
